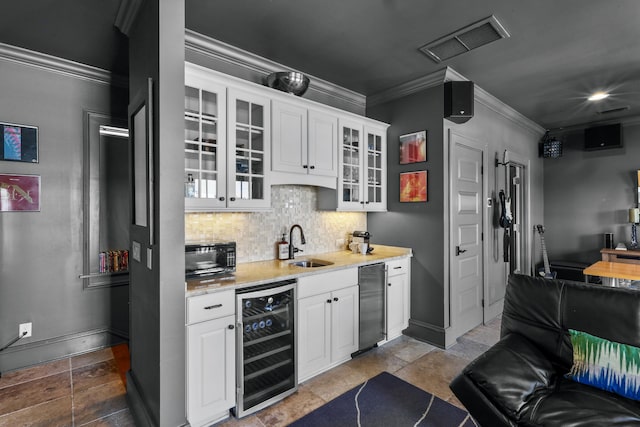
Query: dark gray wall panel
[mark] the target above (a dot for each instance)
(419, 226)
(587, 194)
(41, 252)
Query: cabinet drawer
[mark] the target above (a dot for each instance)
(210, 306)
(399, 266)
(326, 282)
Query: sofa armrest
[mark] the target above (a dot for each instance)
(509, 375)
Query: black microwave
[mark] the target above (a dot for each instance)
(209, 259)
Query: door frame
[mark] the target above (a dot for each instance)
(451, 333)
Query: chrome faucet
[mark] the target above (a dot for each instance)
(293, 249)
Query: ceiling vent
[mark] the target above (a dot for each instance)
(614, 110)
(465, 39)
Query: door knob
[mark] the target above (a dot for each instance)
(460, 251)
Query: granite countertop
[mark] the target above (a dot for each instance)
(260, 272)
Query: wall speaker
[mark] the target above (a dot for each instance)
(603, 137)
(458, 101)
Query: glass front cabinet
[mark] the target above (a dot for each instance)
(362, 179)
(226, 146)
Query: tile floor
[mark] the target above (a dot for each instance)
(85, 390)
(418, 363)
(89, 390)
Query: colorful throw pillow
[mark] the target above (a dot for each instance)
(605, 364)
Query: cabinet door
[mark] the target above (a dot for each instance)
(350, 195)
(289, 142)
(210, 369)
(249, 150)
(314, 335)
(344, 323)
(375, 170)
(396, 316)
(323, 144)
(205, 143)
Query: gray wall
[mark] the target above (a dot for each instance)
(156, 385)
(41, 252)
(419, 226)
(588, 193)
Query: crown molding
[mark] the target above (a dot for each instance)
(61, 66)
(207, 46)
(127, 12)
(449, 74)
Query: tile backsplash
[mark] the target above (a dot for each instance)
(257, 233)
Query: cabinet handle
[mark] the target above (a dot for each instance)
(231, 327)
(312, 167)
(221, 198)
(335, 299)
(367, 202)
(233, 199)
(209, 307)
(329, 301)
(388, 284)
(397, 268)
(362, 203)
(305, 166)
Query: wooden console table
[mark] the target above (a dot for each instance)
(630, 256)
(613, 270)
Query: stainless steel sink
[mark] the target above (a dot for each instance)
(310, 263)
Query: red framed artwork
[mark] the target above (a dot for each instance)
(413, 147)
(413, 186)
(19, 193)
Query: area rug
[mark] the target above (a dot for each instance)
(386, 400)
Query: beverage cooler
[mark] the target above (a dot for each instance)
(266, 370)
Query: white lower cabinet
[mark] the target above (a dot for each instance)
(211, 362)
(327, 321)
(398, 303)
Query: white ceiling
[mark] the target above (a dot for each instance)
(558, 53)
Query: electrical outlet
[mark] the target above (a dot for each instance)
(24, 327)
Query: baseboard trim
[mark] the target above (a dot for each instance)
(38, 352)
(422, 331)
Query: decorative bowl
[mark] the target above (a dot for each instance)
(289, 81)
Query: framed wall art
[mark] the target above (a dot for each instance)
(413, 186)
(413, 147)
(19, 193)
(19, 143)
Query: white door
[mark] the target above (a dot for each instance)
(396, 305)
(466, 248)
(289, 142)
(314, 334)
(211, 369)
(344, 323)
(323, 144)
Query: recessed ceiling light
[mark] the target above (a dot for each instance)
(597, 96)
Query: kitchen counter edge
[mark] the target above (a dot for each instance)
(261, 272)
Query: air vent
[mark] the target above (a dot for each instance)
(465, 39)
(614, 110)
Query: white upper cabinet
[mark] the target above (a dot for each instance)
(227, 145)
(323, 144)
(304, 145)
(241, 138)
(362, 177)
(249, 150)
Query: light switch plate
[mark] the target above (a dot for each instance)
(135, 249)
(149, 258)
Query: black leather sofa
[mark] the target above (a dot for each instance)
(520, 380)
